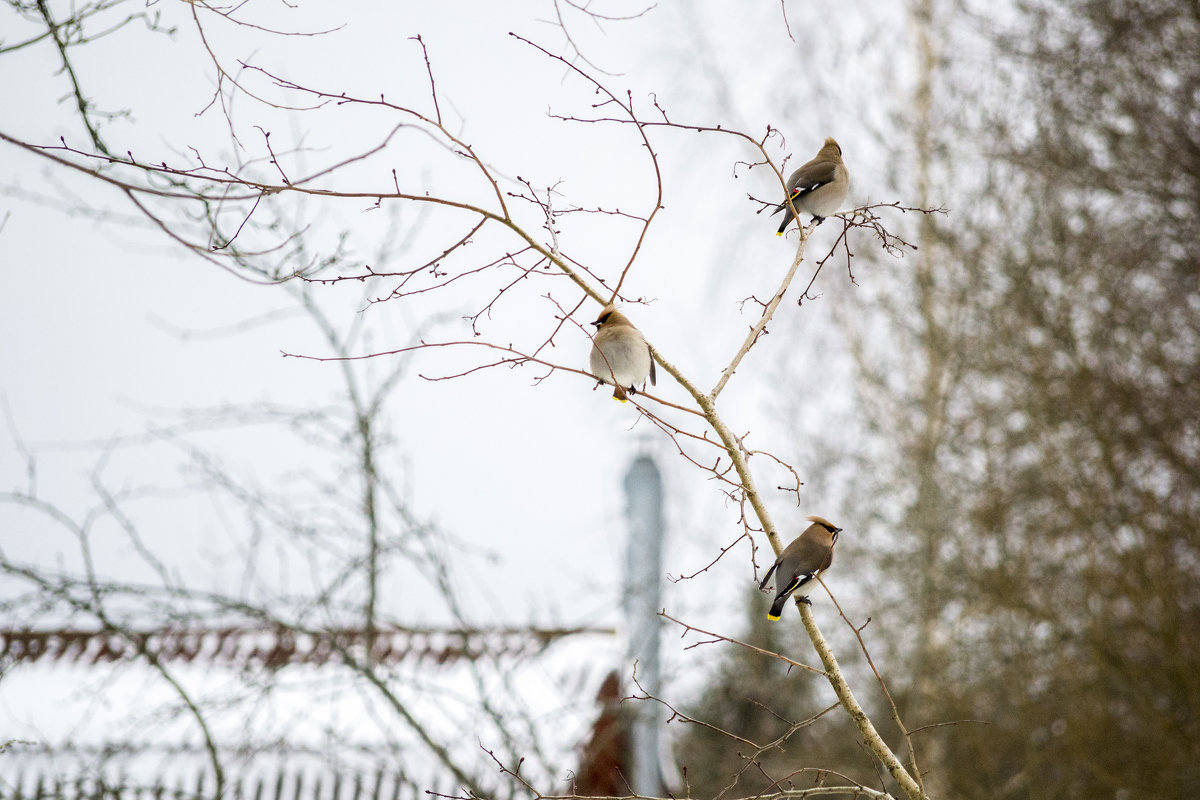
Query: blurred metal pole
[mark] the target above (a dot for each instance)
(641, 604)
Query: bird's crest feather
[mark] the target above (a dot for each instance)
(821, 521)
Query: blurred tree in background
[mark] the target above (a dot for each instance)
(1044, 426)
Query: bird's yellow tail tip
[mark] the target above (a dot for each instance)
(620, 399)
(772, 617)
(779, 233)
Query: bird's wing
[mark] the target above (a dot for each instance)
(811, 176)
(767, 577)
(653, 376)
(795, 583)
(808, 558)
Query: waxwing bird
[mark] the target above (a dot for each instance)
(818, 188)
(620, 354)
(801, 561)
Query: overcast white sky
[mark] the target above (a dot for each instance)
(91, 309)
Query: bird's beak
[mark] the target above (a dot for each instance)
(596, 323)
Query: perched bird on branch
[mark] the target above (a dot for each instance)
(801, 561)
(818, 188)
(620, 355)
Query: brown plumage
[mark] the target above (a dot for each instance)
(801, 561)
(818, 188)
(620, 355)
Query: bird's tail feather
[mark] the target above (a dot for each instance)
(777, 607)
